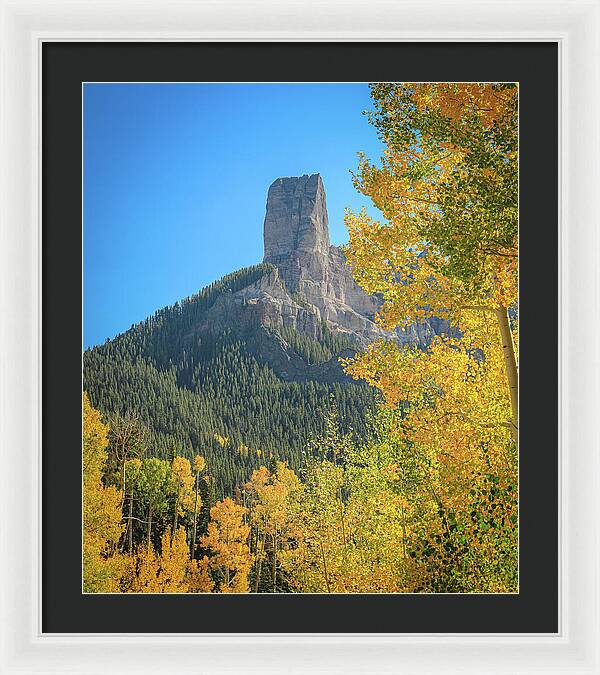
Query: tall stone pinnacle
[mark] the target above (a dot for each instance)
(296, 219)
(312, 285)
(296, 239)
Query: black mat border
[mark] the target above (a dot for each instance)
(65, 66)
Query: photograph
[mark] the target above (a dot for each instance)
(300, 362)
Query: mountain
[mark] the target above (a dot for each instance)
(243, 371)
(309, 284)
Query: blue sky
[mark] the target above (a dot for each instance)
(176, 178)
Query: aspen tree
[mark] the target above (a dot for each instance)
(182, 481)
(227, 539)
(102, 517)
(448, 189)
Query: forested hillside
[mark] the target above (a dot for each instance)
(208, 392)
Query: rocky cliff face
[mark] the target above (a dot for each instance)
(296, 222)
(308, 288)
(296, 240)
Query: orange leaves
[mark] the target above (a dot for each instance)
(380, 364)
(145, 572)
(260, 477)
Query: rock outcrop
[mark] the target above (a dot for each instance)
(296, 223)
(296, 241)
(308, 288)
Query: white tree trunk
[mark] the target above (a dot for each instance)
(511, 367)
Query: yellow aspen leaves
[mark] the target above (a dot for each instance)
(102, 517)
(227, 541)
(183, 486)
(448, 250)
(166, 572)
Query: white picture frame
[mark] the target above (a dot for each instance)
(575, 25)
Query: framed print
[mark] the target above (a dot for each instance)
(265, 435)
(300, 366)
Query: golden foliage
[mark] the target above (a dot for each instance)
(227, 539)
(199, 464)
(199, 578)
(447, 186)
(102, 520)
(164, 573)
(448, 250)
(183, 484)
(346, 533)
